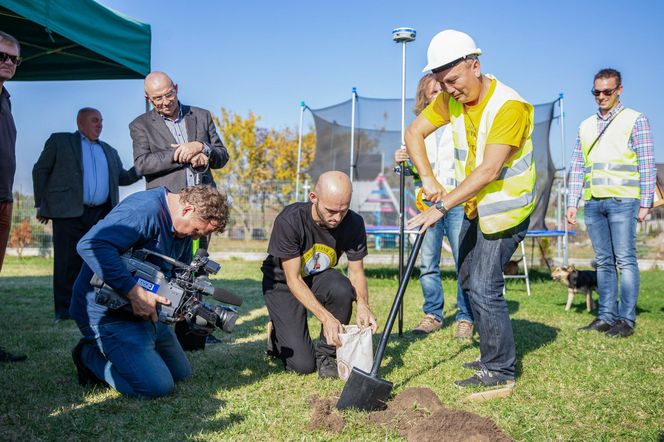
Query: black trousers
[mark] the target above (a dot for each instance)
(67, 232)
(289, 317)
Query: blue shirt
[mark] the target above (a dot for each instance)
(95, 173)
(140, 221)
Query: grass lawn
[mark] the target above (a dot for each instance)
(570, 385)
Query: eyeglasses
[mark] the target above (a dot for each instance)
(16, 59)
(607, 92)
(167, 96)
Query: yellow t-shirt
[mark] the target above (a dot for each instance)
(510, 126)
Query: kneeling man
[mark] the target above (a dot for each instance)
(298, 275)
(136, 354)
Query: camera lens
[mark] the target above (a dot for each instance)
(227, 317)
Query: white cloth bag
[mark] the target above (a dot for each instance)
(356, 350)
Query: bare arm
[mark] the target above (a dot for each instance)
(144, 304)
(331, 326)
(495, 156)
(358, 280)
(415, 135)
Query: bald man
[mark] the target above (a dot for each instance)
(75, 182)
(175, 145)
(298, 275)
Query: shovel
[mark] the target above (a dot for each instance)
(366, 391)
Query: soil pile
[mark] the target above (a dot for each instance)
(417, 415)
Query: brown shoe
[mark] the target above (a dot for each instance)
(464, 330)
(429, 324)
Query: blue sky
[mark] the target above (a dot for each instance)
(266, 57)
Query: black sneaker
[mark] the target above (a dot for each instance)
(597, 325)
(620, 329)
(212, 340)
(327, 367)
(6, 356)
(484, 378)
(473, 365)
(85, 375)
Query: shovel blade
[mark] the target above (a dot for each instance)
(364, 392)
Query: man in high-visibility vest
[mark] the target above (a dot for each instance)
(613, 168)
(492, 127)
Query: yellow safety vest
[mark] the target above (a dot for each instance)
(611, 167)
(510, 198)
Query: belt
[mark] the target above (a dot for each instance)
(89, 206)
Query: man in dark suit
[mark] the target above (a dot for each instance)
(175, 145)
(10, 58)
(76, 181)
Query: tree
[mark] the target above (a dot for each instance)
(261, 170)
(21, 237)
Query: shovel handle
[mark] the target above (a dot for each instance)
(397, 303)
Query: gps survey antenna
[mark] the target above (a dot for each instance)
(404, 36)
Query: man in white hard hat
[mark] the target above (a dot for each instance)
(613, 168)
(492, 127)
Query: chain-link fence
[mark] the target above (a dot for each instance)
(28, 237)
(252, 219)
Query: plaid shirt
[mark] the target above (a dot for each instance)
(641, 142)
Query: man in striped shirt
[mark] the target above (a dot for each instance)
(613, 168)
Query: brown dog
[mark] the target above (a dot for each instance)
(512, 267)
(576, 281)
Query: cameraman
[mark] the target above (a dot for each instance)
(136, 354)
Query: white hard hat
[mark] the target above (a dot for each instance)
(449, 46)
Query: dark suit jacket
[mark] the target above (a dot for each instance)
(57, 176)
(153, 154)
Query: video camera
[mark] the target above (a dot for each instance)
(184, 290)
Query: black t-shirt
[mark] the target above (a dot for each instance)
(296, 234)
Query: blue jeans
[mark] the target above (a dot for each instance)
(432, 288)
(611, 224)
(482, 259)
(137, 358)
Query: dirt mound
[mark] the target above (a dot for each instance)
(325, 416)
(417, 415)
(455, 425)
(407, 409)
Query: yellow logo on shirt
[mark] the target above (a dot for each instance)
(317, 259)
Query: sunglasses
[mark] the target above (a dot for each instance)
(607, 92)
(16, 59)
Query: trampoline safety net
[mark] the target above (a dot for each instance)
(378, 135)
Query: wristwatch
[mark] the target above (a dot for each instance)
(440, 206)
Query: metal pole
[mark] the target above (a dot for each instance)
(561, 103)
(305, 189)
(403, 36)
(402, 181)
(299, 153)
(560, 219)
(353, 98)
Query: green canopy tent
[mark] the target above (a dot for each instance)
(75, 40)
